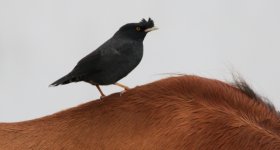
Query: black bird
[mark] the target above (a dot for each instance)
(114, 59)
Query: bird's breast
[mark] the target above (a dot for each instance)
(134, 55)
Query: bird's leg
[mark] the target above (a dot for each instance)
(100, 91)
(122, 86)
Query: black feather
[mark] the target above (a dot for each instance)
(147, 24)
(61, 81)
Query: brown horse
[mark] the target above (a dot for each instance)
(186, 112)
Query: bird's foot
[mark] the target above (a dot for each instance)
(100, 91)
(124, 91)
(126, 88)
(102, 97)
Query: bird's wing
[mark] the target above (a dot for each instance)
(91, 63)
(96, 61)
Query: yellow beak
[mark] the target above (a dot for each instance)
(151, 29)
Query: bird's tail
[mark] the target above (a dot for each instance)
(64, 80)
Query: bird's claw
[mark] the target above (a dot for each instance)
(122, 92)
(102, 96)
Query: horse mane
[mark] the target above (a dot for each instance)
(183, 112)
(244, 87)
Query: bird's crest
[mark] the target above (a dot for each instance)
(147, 24)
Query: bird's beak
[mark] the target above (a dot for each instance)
(151, 29)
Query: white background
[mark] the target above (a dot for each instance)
(42, 40)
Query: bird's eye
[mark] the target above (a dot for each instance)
(138, 28)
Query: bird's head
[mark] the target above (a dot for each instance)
(137, 31)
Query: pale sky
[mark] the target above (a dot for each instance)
(42, 40)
